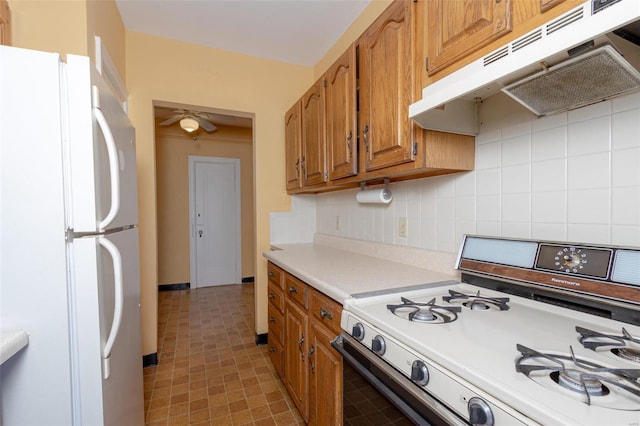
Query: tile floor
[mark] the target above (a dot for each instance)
(210, 371)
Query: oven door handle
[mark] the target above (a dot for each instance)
(405, 408)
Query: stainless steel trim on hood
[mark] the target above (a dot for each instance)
(450, 104)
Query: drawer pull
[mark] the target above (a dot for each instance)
(272, 349)
(272, 319)
(272, 296)
(292, 289)
(272, 274)
(325, 313)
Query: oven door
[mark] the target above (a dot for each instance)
(374, 391)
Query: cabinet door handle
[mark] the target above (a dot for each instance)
(272, 349)
(292, 289)
(325, 313)
(365, 132)
(272, 274)
(272, 296)
(297, 167)
(313, 366)
(272, 319)
(349, 143)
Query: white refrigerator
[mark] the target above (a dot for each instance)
(69, 260)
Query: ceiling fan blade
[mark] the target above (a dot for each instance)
(172, 120)
(206, 125)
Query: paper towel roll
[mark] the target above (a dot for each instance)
(375, 196)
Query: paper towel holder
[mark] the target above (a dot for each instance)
(374, 196)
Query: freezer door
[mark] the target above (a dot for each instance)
(102, 180)
(107, 286)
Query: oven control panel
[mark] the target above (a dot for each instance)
(458, 396)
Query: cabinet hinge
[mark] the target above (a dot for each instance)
(324, 83)
(415, 148)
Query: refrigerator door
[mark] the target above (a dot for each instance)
(103, 182)
(106, 275)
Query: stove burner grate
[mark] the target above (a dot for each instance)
(477, 301)
(588, 378)
(593, 340)
(428, 313)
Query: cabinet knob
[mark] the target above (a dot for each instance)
(272, 319)
(325, 313)
(292, 289)
(272, 296)
(272, 274)
(272, 349)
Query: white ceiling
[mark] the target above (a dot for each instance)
(292, 31)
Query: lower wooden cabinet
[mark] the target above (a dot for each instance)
(300, 348)
(325, 379)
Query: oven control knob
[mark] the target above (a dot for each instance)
(378, 345)
(480, 413)
(358, 331)
(419, 373)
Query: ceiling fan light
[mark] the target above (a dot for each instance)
(189, 124)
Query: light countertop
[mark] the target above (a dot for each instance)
(340, 273)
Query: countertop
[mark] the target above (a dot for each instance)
(340, 274)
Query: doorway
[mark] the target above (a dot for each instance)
(214, 210)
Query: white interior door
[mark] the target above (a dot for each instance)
(215, 221)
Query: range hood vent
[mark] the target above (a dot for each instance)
(589, 54)
(591, 77)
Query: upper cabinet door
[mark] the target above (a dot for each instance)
(313, 138)
(457, 28)
(292, 141)
(385, 57)
(342, 132)
(5, 23)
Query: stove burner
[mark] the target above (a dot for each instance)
(629, 354)
(477, 302)
(581, 375)
(429, 313)
(593, 340)
(574, 380)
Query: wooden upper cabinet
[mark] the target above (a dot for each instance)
(385, 73)
(293, 137)
(342, 132)
(313, 135)
(5, 23)
(457, 28)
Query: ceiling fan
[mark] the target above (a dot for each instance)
(190, 121)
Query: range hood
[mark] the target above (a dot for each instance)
(589, 54)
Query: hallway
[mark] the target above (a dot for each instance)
(210, 371)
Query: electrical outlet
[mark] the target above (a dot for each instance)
(338, 223)
(403, 227)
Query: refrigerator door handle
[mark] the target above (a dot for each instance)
(118, 305)
(114, 168)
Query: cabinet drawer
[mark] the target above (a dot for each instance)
(296, 290)
(276, 297)
(275, 274)
(276, 355)
(276, 324)
(326, 311)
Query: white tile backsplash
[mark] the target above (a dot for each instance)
(569, 177)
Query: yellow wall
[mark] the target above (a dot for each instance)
(169, 71)
(173, 149)
(69, 26)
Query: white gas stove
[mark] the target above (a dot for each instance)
(488, 350)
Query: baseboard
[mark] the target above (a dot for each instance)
(172, 287)
(247, 280)
(149, 360)
(262, 339)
